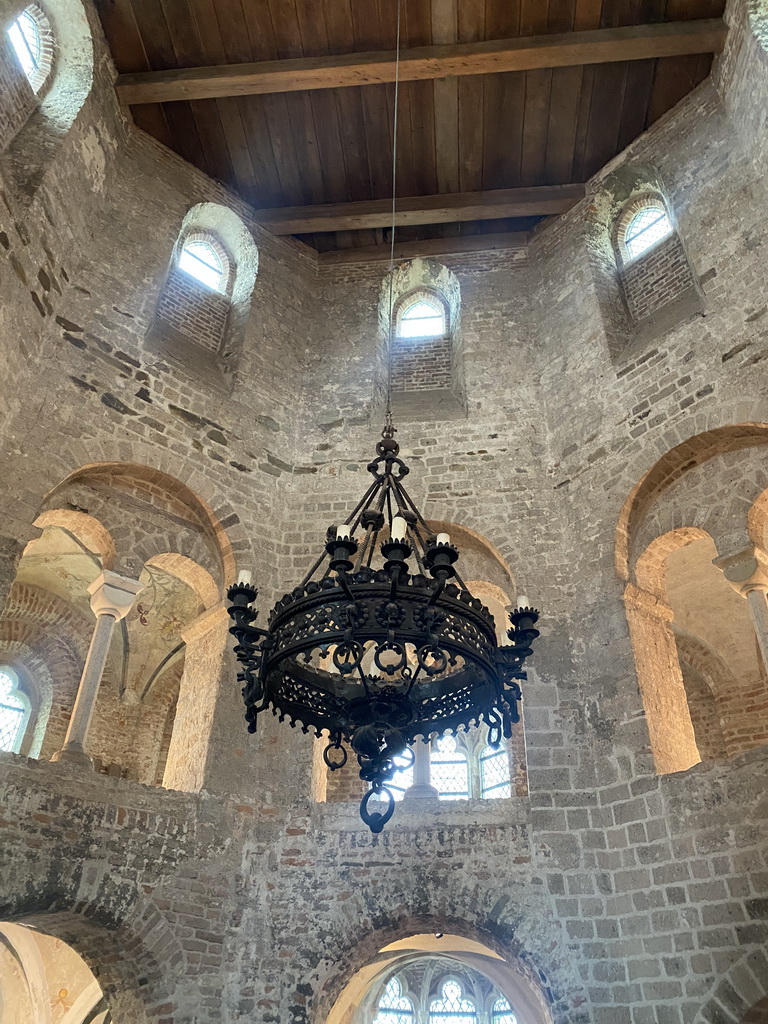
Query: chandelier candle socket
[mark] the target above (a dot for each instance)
(375, 655)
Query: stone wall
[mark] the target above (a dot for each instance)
(633, 897)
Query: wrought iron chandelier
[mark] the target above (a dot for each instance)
(378, 656)
(375, 654)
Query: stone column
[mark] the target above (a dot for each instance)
(209, 712)
(673, 742)
(747, 572)
(422, 787)
(112, 597)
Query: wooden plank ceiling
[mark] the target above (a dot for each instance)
(472, 133)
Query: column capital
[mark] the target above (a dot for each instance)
(112, 594)
(747, 570)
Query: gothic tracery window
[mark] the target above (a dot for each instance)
(501, 1013)
(452, 1007)
(394, 1007)
(14, 712)
(494, 773)
(449, 769)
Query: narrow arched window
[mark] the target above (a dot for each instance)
(449, 770)
(200, 259)
(423, 317)
(646, 228)
(451, 1007)
(494, 773)
(14, 711)
(32, 41)
(501, 1013)
(394, 1007)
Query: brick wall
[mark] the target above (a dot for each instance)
(192, 309)
(657, 278)
(17, 100)
(421, 364)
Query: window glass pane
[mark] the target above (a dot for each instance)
(645, 229)
(422, 320)
(494, 773)
(394, 1007)
(201, 261)
(12, 713)
(27, 43)
(403, 777)
(449, 771)
(502, 1013)
(452, 1008)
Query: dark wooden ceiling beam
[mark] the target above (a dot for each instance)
(512, 241)
(599, 46)
(442, 209)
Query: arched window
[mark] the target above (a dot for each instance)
(206, 262)
(32, 41)
(452, 1007)
(449, 769)
(394, 1007)
(501, 1013)
(14, 711)
(645, 229)
(422, 317)
(494, 773)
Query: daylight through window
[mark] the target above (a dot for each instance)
(200, 260)
(449, 770)
(422, 319)
(648, 227)
(452, 1007)
(13, 712)
(31, 39)
(394, 1007)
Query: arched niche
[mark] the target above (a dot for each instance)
(55, 109)
(427, 374)
(184, 301)
(514, 979)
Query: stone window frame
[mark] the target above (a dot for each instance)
(41, 81)
(229, 268)
(644, 201)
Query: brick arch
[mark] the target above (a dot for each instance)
(741, 995)
(194, 490)
(189, 572)
(126, 943)
(366, 938)
(36, 674)
(650, 567)
(710, 683)
(678, 454)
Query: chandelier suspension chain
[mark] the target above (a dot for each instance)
(395, 121)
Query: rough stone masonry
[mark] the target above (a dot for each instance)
(630, 896)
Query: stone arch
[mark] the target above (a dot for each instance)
(674, 455)
(218, 520)
(53, 112)
(741, 995)
(705, 678)
(191, 573)
(510, 968)
(119, 948)
(87, 530)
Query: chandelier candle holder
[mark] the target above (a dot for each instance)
(376, 654)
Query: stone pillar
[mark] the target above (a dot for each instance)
(190, 760)
(112, 597)
(422, 787)
(673, 742)
(747, 572)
